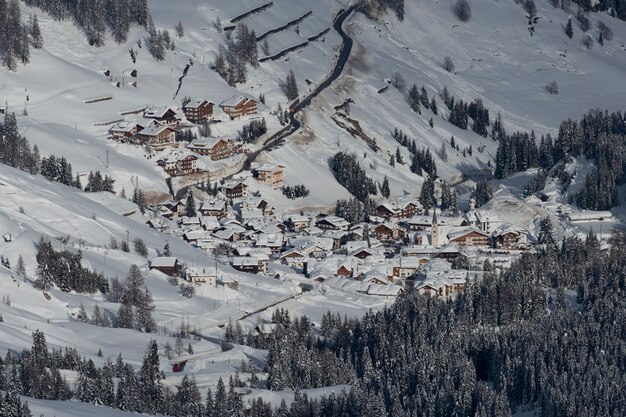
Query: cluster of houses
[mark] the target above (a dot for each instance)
(398, 246)
(158, 125)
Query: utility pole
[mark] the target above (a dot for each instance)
(107, 158)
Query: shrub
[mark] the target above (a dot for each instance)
(186, 290)
(605, 31)
(140, 247)
(447, 64)
(553, 88)
(462, 10)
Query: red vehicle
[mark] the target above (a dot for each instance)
(178, 366)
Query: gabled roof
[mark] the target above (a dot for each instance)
(164, 262)
(157, 112)
(124, 127)
(462, 232)
(232, 184)
(207, 143)
(196, 102)
(213, 204)
(155, 130)
(235, 100)
(335, 221)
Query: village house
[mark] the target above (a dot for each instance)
(483, 220)
(388, 232)
(400, 208)
(158, 137)
(125, 130)
(179, 164)
(297, 223)
(238, 106)
(362, 253)
(198, 110)
(258, 203)
(273, 241)
(166, 264)
(248, 264)
(509, 237)
(215, 148)
(165, 115)
(406, 267)
(194, 236)
(176, 209)
(204, 275)
(214, 207)
(332, 223)
(270, 174)
(235, 189)
(295, 259)
(439, 279)
(469, 236)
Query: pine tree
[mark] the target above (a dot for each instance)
(190, 206)
(21, 268)
(180, 30)
(166, 249)
(414, 99)
(427, 194)
(35, 33)
(569, 29)
(384, 188)
(291, 86)
(482, 193)
(150, 380)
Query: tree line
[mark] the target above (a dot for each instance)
(599, 135)
(240, 50)
(94, 17)
(16, 38)
(502, 346)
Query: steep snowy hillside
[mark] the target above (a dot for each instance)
(71, 93)
(496, 59)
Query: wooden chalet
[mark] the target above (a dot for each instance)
(179, 164)
(387, 232)
(470, 236)
(125, 130)
(238, 106)
(164, 115)
(215, 148)
(166, 264)
(158, 137)
(399, 209)
(510, 238)
(215, 208)
(235, 190)
(270, 174)
(198, 111)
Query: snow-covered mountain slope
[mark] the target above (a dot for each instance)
(496, 59)
(495, 56)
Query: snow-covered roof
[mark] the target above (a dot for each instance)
(269, 167)
(464, 231)
(207, 143)
(124, 127)
(164, 262)
(213, 204)
(196, 102)
(235, 100)
(589, 216)
(157, 112)
(154, 130)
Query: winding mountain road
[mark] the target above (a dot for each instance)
(299, 105)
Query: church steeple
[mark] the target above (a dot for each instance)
(434, 231)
